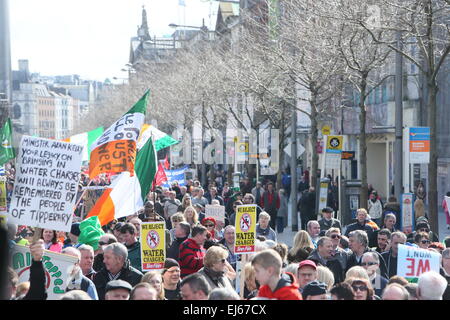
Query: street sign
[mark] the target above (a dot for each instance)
(348, 155)
(326, 130)
(419, 145)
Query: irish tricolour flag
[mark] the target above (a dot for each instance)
(86, 139)
(127, 193)
(115, 150)
(162, 140)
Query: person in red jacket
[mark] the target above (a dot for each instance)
(192, 251)
(274, 283)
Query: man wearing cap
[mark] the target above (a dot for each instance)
(117, 290)
(306, 272)
(315, 290)
(328, 221)
(117, 267)
(171, 279)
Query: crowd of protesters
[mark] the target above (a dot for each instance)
(326, 261)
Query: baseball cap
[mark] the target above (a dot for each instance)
(309, 263)
(314, 288)
(118, 284)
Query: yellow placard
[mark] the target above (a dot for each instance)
(326, 130)
(3, 220)
(3, 207)
(245, 229)
(334, 143)
(153, 246)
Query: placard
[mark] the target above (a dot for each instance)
(57, 268)
(46, 184)
(153, 245)
(245, 229)
(413, 261)
(216, 212)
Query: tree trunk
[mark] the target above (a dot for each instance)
(314, 135)
(363, 143)
(280, 148)
(433, 165)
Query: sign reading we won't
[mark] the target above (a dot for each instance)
(46, 185)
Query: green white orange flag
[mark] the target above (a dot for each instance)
(86, 139)
(126, 195)
(115, 150)
(162, 140)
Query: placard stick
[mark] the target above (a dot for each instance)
(242, 275)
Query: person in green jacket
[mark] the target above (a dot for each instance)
(128, 235)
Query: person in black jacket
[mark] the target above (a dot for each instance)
(328, 221)
(360, 224)
(359, 245)
(182, 232)
(323, 256)
(117, 266)
(390, 257)
(307, 206)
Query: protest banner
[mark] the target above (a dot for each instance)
(216, 212)
(57, 268)
(413, 261)
(175, 176)
(245, 229)
(3, 206)
(153, 245)
(46, 185)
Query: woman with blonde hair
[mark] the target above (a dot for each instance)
(154, 278)
(185, 202)
(175, 219)
(214, 268)
(357, 272)
(326, 276)
(302, 247)
(250, 285)
(191, 216)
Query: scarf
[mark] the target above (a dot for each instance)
(215, 276)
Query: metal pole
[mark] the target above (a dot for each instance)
(398, 153)
(294, 214)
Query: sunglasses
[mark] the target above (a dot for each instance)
(424, 230)
(335, 236)
(209, 225)
(360, 288)
(363, 264)
(425, 241)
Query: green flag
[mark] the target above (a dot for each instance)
(6, 149)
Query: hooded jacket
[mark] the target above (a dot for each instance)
(286, 289)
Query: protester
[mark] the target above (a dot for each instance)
(154, 278)
(175, 220)
(315, 290)
(307, 272)
(182, 231)
(51, 240)
(323, 256)
(87, 261)
(431, 286)
(192, 251)
(362, 289)
(117, 290)
(270, 203)
(326, 276)
(185, 202)
(422, 240)
(263, 228)
(77, 281)
(171, 279)
(360, 224)
(313, 229)
(338, 253)
(232, 216)
(274, 283)
(117, 267)
(143, 291)
(395, 292)
(191, 216)
(383, 240)
(282, 214)
(210, 225)
(328, 221)
(257, 192)
(250, 199)
(371, 262)
(195, 287)
(307, 206)
(129, 239)
(375, 208)
(390, 257)
(301, 248)
(342, 291)
(104, 240)
(228, 241)
(223, 294)
(214, 268)
(251, 286)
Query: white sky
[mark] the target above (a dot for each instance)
(92, 37)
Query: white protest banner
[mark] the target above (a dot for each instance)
(216, 212)
(57, 268)
(413, 261)
(46, 184)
